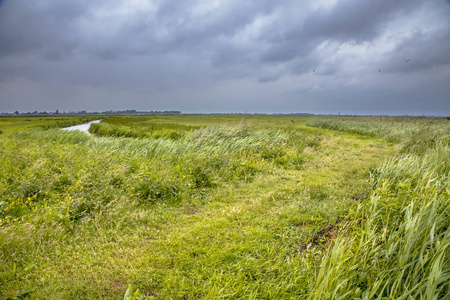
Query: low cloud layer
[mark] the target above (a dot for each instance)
(327, 56)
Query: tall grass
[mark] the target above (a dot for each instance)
(226, 140)
(414, 133)
(150, 123)
(152, 170)
(67, 198)
(400, 246)
(222, 211)
(105, 129)
(21, 123)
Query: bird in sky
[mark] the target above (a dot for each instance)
(407, 60)
(379, 70)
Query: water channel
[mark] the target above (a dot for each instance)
(82, 127)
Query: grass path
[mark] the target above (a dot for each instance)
(240, 241)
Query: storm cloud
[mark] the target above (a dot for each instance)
(327, 56)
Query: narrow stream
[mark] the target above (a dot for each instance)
(82, 127)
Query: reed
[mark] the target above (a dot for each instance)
(400, 244)
(415, 134)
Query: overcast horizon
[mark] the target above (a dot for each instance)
(321, 57)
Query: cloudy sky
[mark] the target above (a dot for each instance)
(315, 56)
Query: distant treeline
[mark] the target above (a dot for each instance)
(83, 112)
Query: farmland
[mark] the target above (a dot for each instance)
(225, 206)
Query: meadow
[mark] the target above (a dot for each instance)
(225, 206)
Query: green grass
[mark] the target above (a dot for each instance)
(399, 249)
(415, 134)
(227, 207)
(20, 123)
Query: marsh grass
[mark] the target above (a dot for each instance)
(415, 134)
(47, 165)
(226, 140)
(399, 249)
(20, 123)
(222, 210)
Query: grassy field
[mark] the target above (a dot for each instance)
(235, 207)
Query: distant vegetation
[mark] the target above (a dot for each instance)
(13, 124)
(415, 134)
(237, 207)
(83, 112)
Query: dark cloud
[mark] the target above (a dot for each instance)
(26, 27)
(415, 52)
(344, 21)
(192, 54)
(355, 20)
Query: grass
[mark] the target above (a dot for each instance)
(400, 248)
(415, 134)
(229, 207)
(20, 123)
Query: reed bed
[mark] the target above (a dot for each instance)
(269, 143)
(399, 246)
(220, 210)
(415, 134)
(151, 169)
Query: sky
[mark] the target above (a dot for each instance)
(365, 57)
